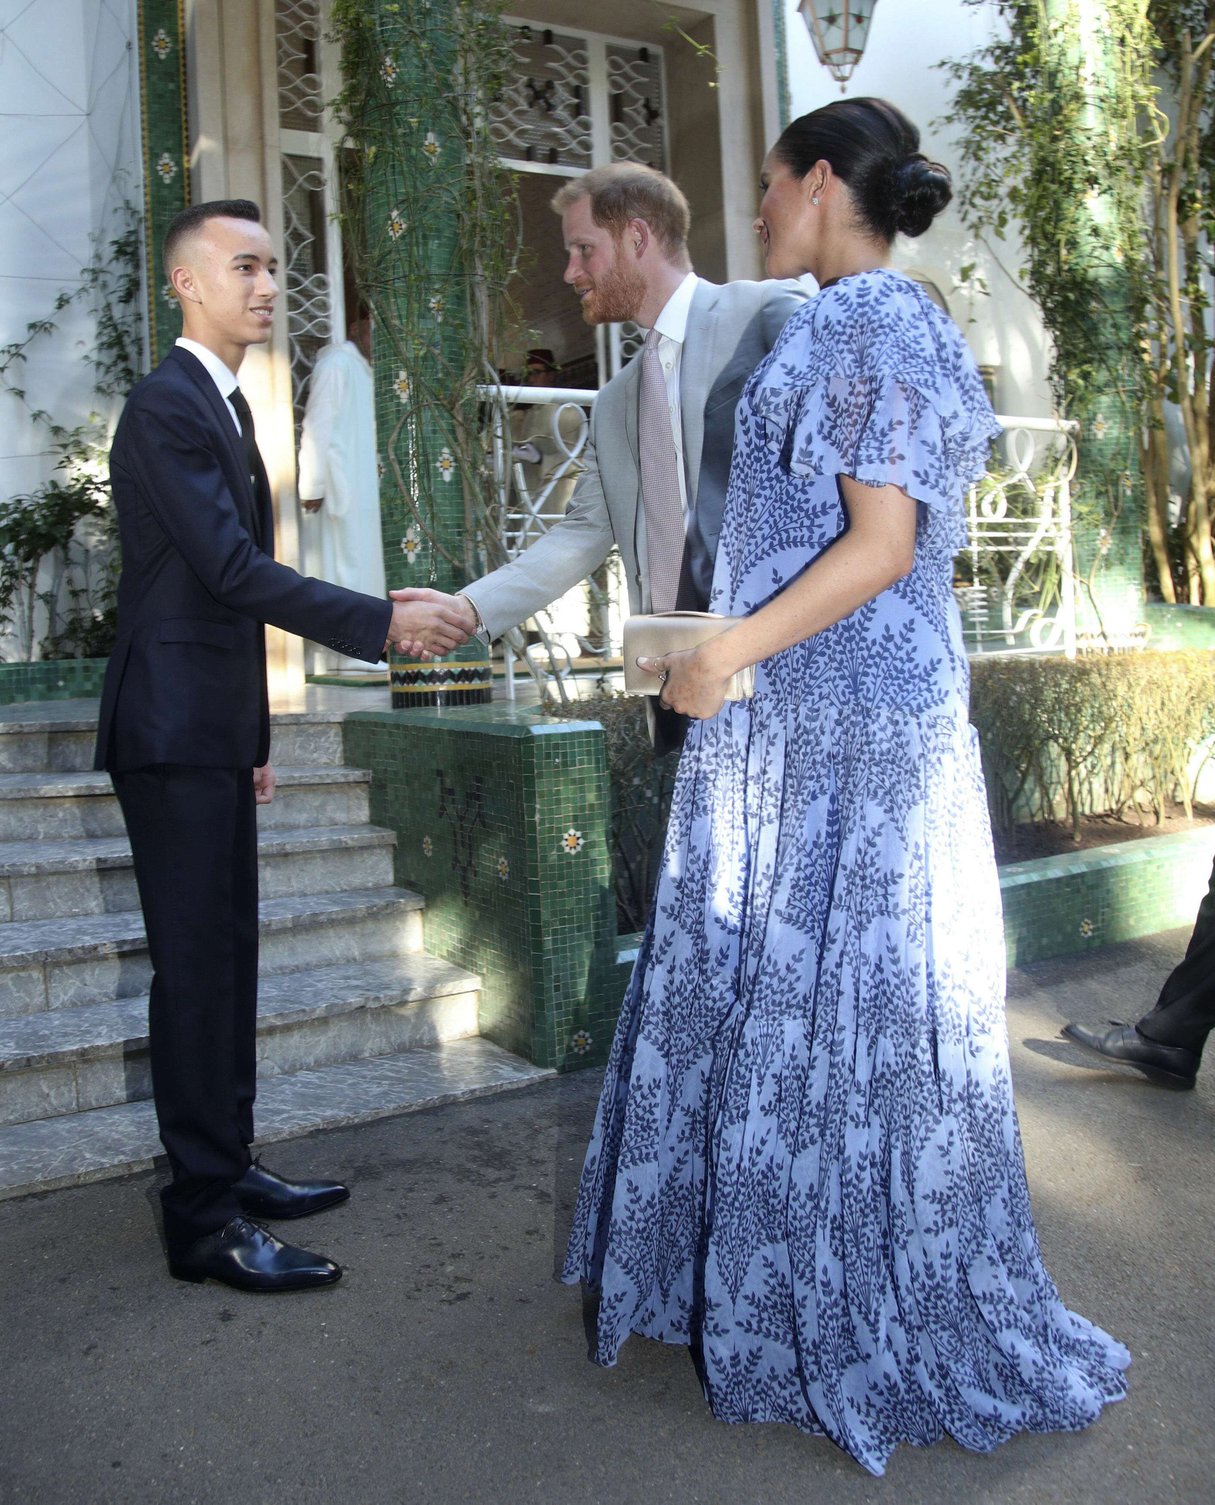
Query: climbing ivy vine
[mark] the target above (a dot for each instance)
(58, 543)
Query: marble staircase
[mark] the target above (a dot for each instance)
(356, 1021)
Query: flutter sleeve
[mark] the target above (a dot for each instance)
(873, 381)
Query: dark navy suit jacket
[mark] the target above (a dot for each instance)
(186, 682)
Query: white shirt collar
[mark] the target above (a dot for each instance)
(672, 322)
(223, 378)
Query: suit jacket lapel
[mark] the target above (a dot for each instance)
(263, 509)
(696, 366)
(631, 396)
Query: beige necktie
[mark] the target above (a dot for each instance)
(664, 527)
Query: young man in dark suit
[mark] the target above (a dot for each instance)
(185, 734)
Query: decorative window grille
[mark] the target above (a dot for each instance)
(637, 114)
(580, 100)
(305, 272)
(298, 34)
(543, 116)
(309, 251)
(1015, 580)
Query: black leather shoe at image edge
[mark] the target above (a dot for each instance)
(262, 1194)
(1166, 1065)
(249, 1257)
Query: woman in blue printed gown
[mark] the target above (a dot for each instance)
(806, 1162)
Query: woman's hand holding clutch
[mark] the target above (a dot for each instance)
(694, 681)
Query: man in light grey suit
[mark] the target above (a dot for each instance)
(625, 229)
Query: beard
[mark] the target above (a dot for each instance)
(616, 297)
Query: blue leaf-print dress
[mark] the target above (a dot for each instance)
(806, 1162)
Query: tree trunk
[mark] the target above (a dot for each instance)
(1156, 487)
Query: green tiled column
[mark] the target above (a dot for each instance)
(412, 163)
(166, 160)
(503, 820)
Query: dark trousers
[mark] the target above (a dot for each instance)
(194, 841)
(1185, 1011)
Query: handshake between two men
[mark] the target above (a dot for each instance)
(428, 623)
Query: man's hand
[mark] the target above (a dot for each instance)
(465, 612)
(428, 623)
(313, 504)
(264, 780)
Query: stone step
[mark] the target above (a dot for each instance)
(64, 963)
(79, 1147)
(74, 806)
(75, 1060)
(306, 739)
(37, 746)
(59, 737)
(56, 879)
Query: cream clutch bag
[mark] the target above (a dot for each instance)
(671, 632)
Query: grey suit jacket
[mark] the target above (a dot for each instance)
(730, 330)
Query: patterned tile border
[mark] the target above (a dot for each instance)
(166, 152)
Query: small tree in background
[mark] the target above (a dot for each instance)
(1091, 132)
(1180, 349)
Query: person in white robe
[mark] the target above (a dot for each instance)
(339, 481)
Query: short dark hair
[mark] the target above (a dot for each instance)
(875, 150)
(622, 191)
(191, 219)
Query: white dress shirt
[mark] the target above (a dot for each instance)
(224, 379)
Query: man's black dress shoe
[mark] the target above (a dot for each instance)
(262, 1194)
(1166, 1065)
(249, 1257)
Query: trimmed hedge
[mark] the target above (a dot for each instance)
(1103, 734)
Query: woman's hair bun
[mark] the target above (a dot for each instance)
(875, 150)
(921, 190)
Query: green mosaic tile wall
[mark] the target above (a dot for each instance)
(56, 679)
(1180, 626)
(503, 824)
(1059, 905)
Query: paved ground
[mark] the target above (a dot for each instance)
(449, 1365)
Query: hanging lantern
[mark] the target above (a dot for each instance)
(839, 30)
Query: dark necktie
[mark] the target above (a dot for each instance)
(252, 461)
(237, 398)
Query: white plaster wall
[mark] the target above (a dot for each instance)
(69, 154)
(906, 39)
